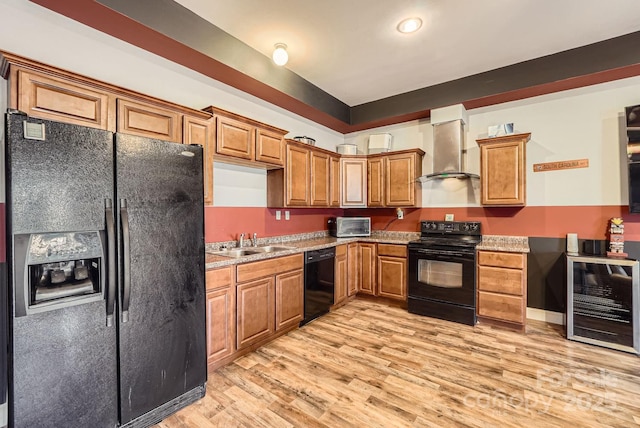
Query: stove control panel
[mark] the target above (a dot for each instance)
(433, 227)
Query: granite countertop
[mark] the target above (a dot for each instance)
(512, 244)
(299, 244)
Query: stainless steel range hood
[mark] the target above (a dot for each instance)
(448, 144)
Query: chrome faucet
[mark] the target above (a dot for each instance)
(255, 239)
(241, 241)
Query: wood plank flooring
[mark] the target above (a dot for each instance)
(371, 365)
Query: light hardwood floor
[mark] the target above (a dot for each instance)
(371, 365)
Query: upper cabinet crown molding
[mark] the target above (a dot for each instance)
(503, 175)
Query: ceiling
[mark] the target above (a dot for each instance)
(349, 69)
(352, 50)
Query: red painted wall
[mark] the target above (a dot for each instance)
(589, 222)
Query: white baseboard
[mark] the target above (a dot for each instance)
(547, 316)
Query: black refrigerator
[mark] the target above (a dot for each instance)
(105, 251)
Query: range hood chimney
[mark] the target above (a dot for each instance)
(448, 143)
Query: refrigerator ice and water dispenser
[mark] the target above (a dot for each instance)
(58, 270)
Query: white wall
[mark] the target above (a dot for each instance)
(61, 42)
(576, 124)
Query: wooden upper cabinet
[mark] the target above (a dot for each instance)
(297, 171)
(150, 121)
(319, 179)
(54, 98)
(201, 131)
(375, 182)
(334, 178)
(503, 170)
(234, 138)
(402, 170)
(246, 141)
(353, 177)
(269, 147)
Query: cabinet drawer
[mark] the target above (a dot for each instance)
(216, 278)
(501, 280)
(500, 259)
(341, 250)
(501, 307)
(392, 250)
(264, 268)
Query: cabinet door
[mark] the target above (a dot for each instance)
(234, 138)
(255, 311)
(220, 323)
(367, 256)
(60, 100)
(375, 182)
(353, 178)
(269, 147)
(502, 170)
(200, 131)
(148, 120)
(353, 269)
(392, 277)
(334, 179)
(297, 173)
(221, 306)
(340, 281)
(400, 180)
(319, 179)
(289, 299)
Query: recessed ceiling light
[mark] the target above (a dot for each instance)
(410, 25)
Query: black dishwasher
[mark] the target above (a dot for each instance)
(319, 273)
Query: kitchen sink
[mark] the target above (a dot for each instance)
(271, 248)
(235, 252)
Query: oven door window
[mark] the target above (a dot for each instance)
(438, 273)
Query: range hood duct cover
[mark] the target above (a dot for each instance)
(448, 146)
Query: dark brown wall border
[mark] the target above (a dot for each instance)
(151, 29)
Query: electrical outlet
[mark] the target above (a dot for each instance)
(400, 213)
(286, 215)
(278, 215)
(448, 217)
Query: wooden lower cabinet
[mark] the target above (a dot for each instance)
(289, 299)
(353, 269)
(252, 303)
(341, 277)
(392, 271)
(220, 313)
(502, 288)
(255, 311)
(367, 258)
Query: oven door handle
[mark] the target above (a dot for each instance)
(445, 254)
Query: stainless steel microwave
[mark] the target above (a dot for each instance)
(344, 227)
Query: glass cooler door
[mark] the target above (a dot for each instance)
(602, 302)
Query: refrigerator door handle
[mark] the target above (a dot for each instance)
(111, 243)
(126, 261)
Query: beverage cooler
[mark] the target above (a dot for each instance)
(602, 302)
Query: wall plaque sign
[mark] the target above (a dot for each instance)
(568, 164)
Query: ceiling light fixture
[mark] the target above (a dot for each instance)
(280, 55)
(409, 25)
